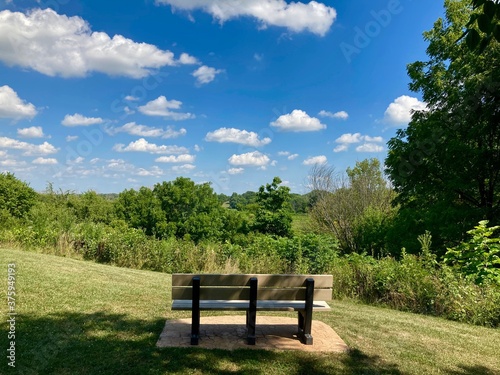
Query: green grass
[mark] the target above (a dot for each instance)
(301, 223)
(78, 317)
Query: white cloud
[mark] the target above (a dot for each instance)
(341, 148)
(295, 16)
(298, 121)
(400, 110)
(254, 158)
(183, 168)
(235, 170)
(187, 59)
(71, 138)
(131, 98)
(12, 163)
(11, 106)
(58, 45)
(3, 154)
(370, 147)
(342, 115)
(289, 155)
(79, 120)
(146, 131)
(141, 145)
(154, 171)
(29, 149)
(31, 132)
(45, 161)
(183, 158)
(349, 138)
(321, 159)
(232, 135)
(162, 107)
(205, 74)
(258, 56)
(367, 138)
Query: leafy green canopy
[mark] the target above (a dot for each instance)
(445, 165)
(16, 197)
(274, 215)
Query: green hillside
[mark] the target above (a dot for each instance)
(78, 317)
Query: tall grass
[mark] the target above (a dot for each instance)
(413, 283)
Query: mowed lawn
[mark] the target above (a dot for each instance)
(78, 317)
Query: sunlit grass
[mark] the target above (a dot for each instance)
(79, 317)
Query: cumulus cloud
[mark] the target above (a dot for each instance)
(11, 106)
(184, 158)
(321, 159)
(146, 131)
(187, 59)
(400, 110)
(29, 149)
(232, 135)
(235, 170)
(141, 145)
(342, 115)
(71, 138)
(370, 145)
(288, 155)
(162, 107)
(80, 120)
(254, 158)
(45, 161)
(31, 132)
(154, 171)
(297, 17)
(298, 121)
(183, 168)
(205, 74)
(58, 45)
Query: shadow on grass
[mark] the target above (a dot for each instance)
(103, 343)
(473, 370)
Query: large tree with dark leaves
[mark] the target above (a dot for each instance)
(445, 165)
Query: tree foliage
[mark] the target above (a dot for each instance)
(348, 205)
(483, 25)
(16, 197)
(273, 215)
(445, 165)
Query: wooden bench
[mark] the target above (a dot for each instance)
(252, 293)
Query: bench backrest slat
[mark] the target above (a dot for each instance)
(264, 280)
(235, 293)
(236, 287)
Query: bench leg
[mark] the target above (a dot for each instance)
(195, 312)
(252, 312)
(305, 316)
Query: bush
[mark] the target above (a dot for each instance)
(479, 258)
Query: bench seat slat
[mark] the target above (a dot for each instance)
(269, 305)
(242, 293)
(264, 280)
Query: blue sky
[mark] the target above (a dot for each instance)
(109, 96)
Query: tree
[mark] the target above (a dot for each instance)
(16, 197)
(347, 205)
(486, 18)
(142, 210)
(445, 165)
(273, 214)
(192, 211)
